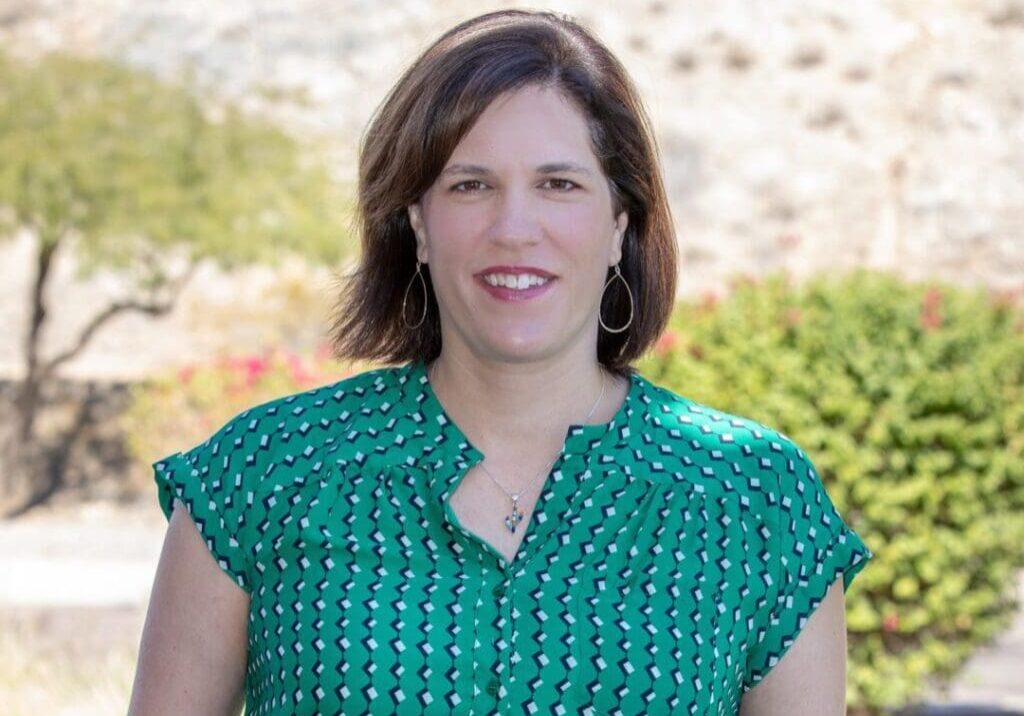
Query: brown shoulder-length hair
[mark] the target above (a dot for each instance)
(417, 127)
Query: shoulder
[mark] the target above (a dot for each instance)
(719, 450)
(290, 432)
(335, 403)
(738, 459)
(226, 480)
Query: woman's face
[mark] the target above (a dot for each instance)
(519, 232)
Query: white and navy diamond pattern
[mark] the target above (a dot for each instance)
(672, 558)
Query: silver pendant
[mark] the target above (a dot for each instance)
(516, 517)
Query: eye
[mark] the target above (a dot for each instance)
(456, 189)
(564, 182)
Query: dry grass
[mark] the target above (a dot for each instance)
(36, 680)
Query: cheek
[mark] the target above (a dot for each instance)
(453, 255)
(586, 245)
(455, 231)
(585, 227)
(452, 223)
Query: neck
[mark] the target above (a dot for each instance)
(506, 408)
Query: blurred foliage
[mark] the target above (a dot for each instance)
(908, 399)
(130, 165)
(182, 408)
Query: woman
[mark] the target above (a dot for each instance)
(510, 519)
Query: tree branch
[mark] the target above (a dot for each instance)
(150, 307)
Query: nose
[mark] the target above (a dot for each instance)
(515, 221)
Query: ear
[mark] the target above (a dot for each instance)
(416, 220)
(620, 234)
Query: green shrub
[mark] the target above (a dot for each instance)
(908, 399)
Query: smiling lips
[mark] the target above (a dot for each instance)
(515, 283)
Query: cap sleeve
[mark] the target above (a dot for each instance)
(814, 546)
(210, 480)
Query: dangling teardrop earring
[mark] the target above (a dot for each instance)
(405, 297)
(618, 274)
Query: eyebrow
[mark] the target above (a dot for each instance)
(549, 168)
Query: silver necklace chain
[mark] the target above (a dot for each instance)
(512, 520)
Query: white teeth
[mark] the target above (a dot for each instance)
(516, 281)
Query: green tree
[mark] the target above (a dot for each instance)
(147, 178)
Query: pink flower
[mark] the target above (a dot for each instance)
(793, 317)
(709, 300)
(323, 352)
(254, 367)
(297, 371)
(666, 342)
(931, 310)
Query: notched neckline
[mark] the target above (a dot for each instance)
(579, 437)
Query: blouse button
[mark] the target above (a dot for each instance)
(498, 591)
(493, 686)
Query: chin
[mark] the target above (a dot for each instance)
(521, 351)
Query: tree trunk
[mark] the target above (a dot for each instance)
(21, 455)
(24, 454)
(27, 401)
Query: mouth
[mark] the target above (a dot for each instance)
(515, 283)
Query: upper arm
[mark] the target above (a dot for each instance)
(193, 653)
(810, 679)
(816, 556)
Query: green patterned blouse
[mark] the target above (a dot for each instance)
(673, 556)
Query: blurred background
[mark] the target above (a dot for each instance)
(847, 180)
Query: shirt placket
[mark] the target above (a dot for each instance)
(494, 614)
(490, 616)
(495, 632)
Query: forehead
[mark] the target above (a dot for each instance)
(531, 125)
